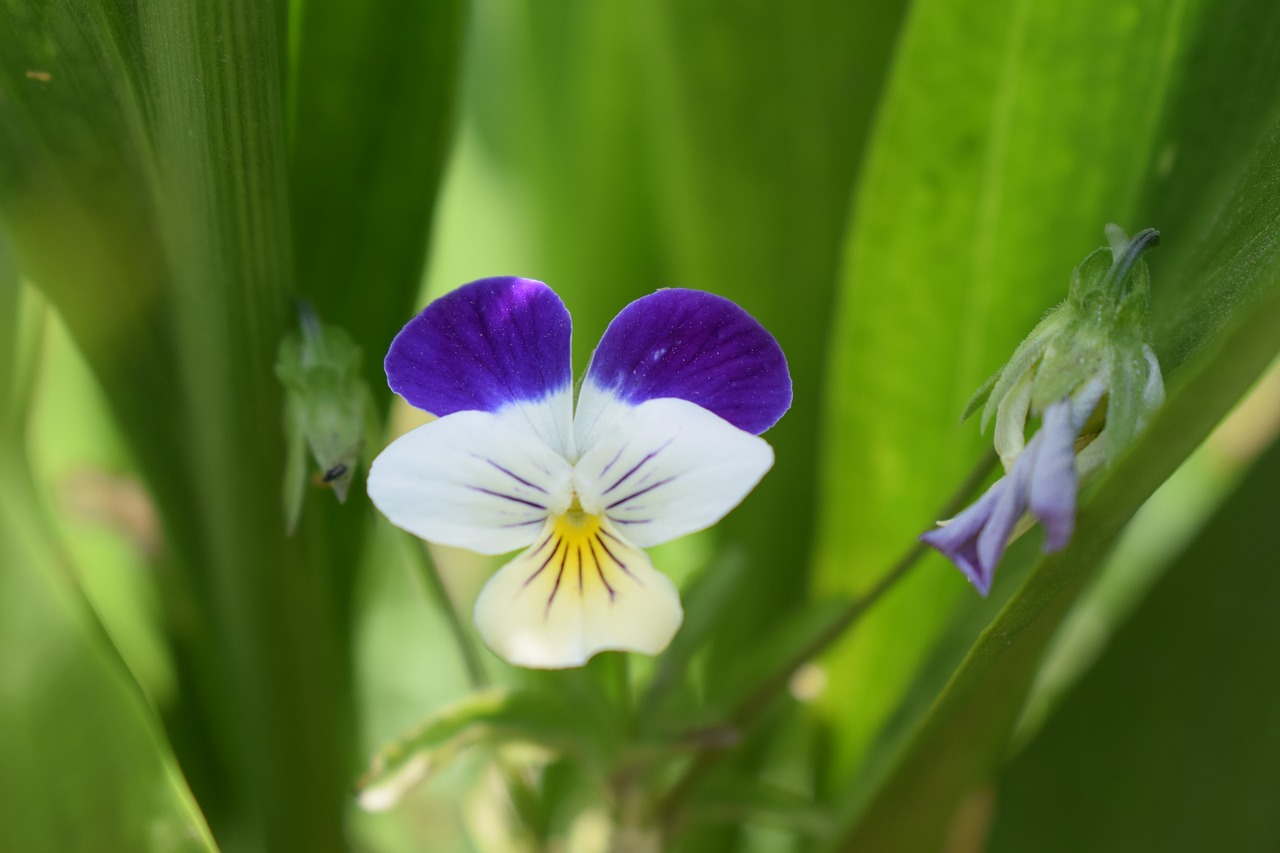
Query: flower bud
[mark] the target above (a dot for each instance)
(328, 409)
(1090, 377)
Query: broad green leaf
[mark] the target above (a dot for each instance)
(757, 114)
(143, 180)
(1170, 742)
(555, 100)
(1006, 141)
(13, 376)
(84, 765)
(372, 89)
(941, 751)
(1216, 312)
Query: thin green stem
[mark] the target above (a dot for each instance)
(462, 638)
(755, 702)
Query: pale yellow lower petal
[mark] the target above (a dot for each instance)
(580, 589)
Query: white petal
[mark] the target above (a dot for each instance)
(551, 418)
(667, 467)
(472, 480)
(581, 589)
(594, 415)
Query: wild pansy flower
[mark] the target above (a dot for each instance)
(1089, 374)
(663, 442)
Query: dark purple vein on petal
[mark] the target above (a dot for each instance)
(559, 577)
(511, 498)
(643, 491)
(545, 562)
(615, 458)
(592, 542)
(516, 477)
(615, 559)
(581, 590)
(639, 465)
(524, 523)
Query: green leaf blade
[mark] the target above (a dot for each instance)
(1169, 743)
(960, 741)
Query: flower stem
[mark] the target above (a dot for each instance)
(462, 638)
(759, 699)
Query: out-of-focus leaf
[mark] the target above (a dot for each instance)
(494, 718)
(372, 88)
(1216, 317)
(83, 764)
(757, 114)
(1005, 142)
(1171, 742)
(12, 376)
(142, 179)
(762, 805)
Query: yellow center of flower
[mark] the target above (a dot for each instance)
(579, 551)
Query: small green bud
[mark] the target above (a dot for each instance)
(1086, 371)
(328, 409)
(1094, 346)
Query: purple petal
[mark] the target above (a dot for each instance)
(487, 344)
(958, 539)
(994, 538)
(1053, 476)
(698, 347)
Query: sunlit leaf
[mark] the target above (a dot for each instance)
(1215, 315)
(974, 208)
(758, 114)
(83, 763)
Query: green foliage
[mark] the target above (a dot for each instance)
(960, 741)
(1170, 742)
(958, 744)
(898, 191)
(370, 89)
(145, 181)
(71, 780)
(973, 210)
(85, 764)
(495, 718)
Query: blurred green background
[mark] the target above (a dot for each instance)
(898, 191)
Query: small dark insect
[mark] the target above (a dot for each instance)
(335, 472)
